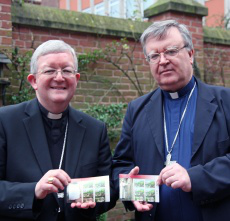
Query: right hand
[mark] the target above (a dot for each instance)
(44, 187)
(140, 206)
(83, 205)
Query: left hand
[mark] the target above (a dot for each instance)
(140, 206)
(83, 205)
(175, 176)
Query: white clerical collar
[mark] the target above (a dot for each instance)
(174, 95)
(54, 116)
(182, 92)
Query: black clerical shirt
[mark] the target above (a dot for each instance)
(55, 133)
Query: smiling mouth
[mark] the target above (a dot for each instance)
(58, 88)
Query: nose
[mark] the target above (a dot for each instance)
(163, 60)
(59, 76)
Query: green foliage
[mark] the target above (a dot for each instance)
(86, 59)
(102, 217)
(111, 115)
(20, 2)
(20, 70)
(24, 94)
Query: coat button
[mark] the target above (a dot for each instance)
(18, 206)
(22, 205)
(10, 206)
(14, 206)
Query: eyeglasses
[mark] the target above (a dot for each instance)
(155, 57)
(67, 72)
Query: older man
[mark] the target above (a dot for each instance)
(179, 131)
(44, 143)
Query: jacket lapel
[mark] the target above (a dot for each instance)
(36, 133)
(75, 137)
(204, 115)
(155, 116)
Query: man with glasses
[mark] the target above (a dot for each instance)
(45, 142)
(179, 131)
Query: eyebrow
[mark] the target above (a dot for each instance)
(172, 46)
(52, 66)
(165, 49)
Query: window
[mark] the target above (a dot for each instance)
(114, 8)
(87, 10)
(135, 8)
(200, 1)
(227, 13)
(100, 9)
(130, 9)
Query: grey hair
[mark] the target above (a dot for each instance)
(159, 29)
(50, 47)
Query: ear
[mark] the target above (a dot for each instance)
(191, 55)
(77, 77)
(33, 81)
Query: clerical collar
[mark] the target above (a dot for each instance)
(185, 90)
(52, 116)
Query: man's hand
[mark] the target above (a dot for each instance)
(140, 206)
(83, 205)
(175, 176)
(51, 182)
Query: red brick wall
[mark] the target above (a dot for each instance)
(117, 88)
(217, 64)
(5, 24)
(216, 13)
(85, 4)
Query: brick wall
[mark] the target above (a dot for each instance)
(217, 64)
(5, 24)
(5, 41)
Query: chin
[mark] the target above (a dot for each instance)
(170, 86)
(60, 99)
